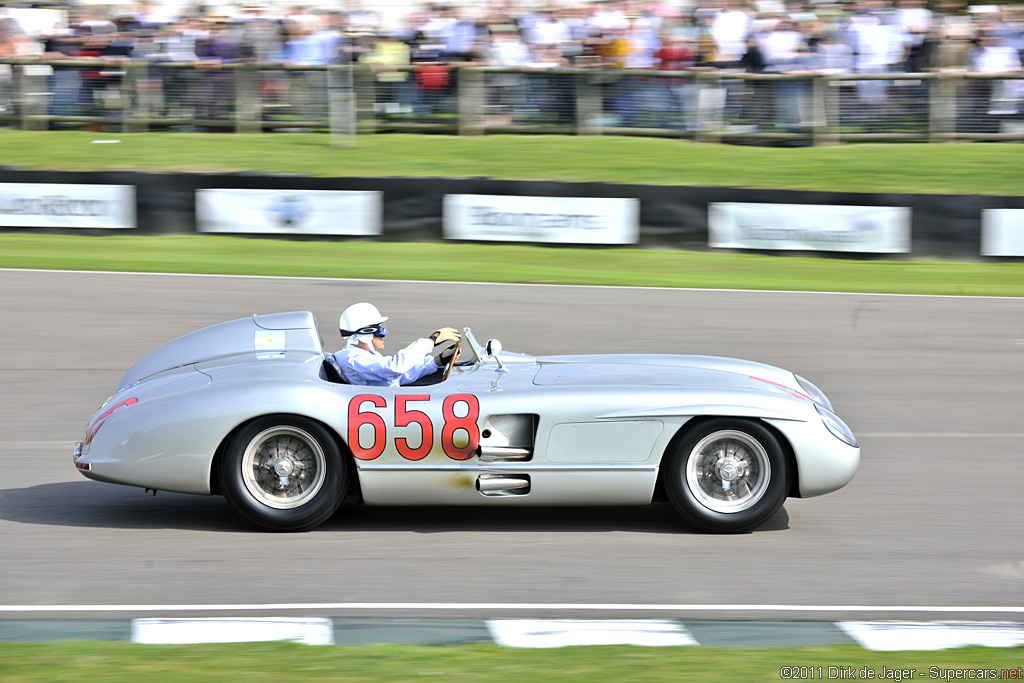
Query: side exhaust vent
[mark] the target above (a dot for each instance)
(503, 484)
(505, 454)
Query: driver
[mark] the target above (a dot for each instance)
(362, 363)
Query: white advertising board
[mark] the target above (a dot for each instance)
(566, 220)
(53, 205)
(295, 212)
(1002, 232)
(809, 227)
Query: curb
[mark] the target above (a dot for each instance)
(532, 633)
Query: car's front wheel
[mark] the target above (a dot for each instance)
(283, 473)
(727, 475)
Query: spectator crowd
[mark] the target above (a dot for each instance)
(412, 62)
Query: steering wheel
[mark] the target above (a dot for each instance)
(451, 363)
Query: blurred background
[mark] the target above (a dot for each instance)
(711, 69)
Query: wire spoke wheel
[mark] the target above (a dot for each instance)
(728, 471)
(727, 475)
(283, 467)
(284, 473)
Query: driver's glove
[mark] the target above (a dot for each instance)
(445, 334)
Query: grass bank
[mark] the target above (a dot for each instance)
(116, 662)
(996, 169)
(503, 263)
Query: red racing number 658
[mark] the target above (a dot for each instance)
(403, 417)
(460, 434)
(357, 419)
(454, 424)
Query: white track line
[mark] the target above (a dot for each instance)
(507, 284)
(496, 606)
(940, 435)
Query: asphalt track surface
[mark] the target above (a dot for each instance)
(933, 387)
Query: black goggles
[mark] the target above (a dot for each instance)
(376, 330)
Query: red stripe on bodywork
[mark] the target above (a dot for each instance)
(794, 392)
(98, 422)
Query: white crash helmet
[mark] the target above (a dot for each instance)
(360, 322)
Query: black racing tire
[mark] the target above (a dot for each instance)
(727, 475)
(284, 473)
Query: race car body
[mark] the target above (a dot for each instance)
(256, 410)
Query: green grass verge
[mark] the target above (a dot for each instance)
(996, 169)
(503, 263)
(80, 661)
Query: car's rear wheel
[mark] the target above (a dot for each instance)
(283, 473)
(727, 475)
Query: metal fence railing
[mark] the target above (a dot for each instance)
(349, 99)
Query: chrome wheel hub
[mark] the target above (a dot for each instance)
(283, 467)
(728, 471)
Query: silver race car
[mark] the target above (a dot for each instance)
(255, 409)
